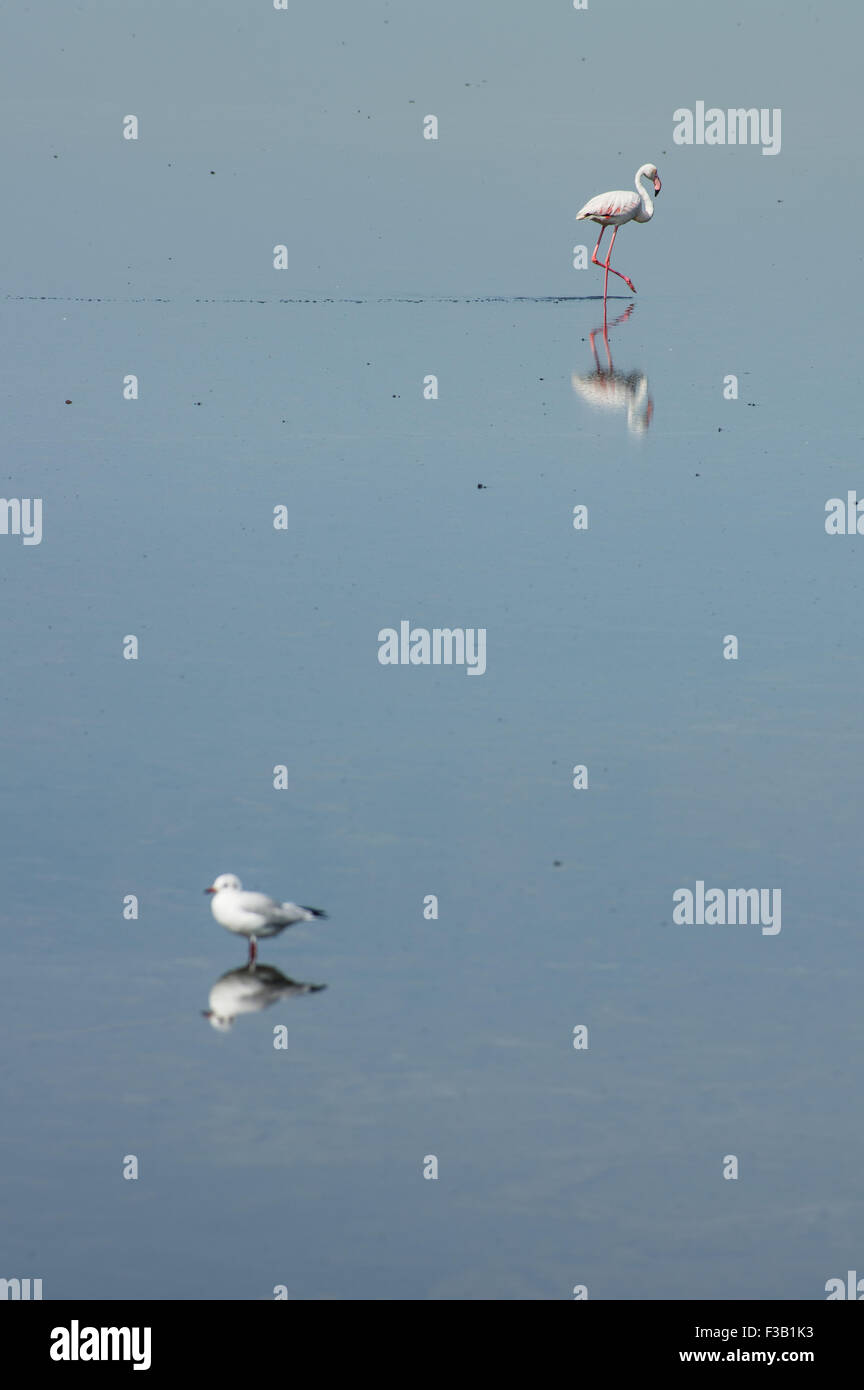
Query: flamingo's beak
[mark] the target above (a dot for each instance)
(657, 184)
(209, 890)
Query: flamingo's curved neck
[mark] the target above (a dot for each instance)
(647, 205)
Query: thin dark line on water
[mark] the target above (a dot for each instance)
(328, 299)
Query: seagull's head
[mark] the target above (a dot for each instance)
(224, 881)
(217, 1021)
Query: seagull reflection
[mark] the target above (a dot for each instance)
(611, 390)
(248, 990)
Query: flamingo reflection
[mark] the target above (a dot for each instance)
(611, 390)
(248, 990)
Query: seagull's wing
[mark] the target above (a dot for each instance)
(289, 913)
(259, 902)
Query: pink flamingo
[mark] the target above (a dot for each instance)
(614, 209)
(616, 390)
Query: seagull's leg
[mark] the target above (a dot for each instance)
(625, 278)
(253, 950)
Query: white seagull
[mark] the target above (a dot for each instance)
(249, 990)
(253, 914)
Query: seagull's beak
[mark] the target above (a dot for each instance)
(657, 184)
(209, 890)
(206, 1013)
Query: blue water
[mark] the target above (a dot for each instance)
(303, 1166)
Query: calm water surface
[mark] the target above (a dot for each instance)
(302, 1166)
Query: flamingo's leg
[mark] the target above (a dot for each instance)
(601, 371)
(603, 226)
(594, 259)
(607, 267)
(606, 341)
(594, 350)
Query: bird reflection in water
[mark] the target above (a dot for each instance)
(248, 990)
(611, 390)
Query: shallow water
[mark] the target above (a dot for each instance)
(303, 1166)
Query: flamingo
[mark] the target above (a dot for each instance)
(614, 209)
(613, 390)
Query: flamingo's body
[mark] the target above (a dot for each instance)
(613, 390)
(616, 208)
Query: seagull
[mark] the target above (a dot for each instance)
(248, 990)
(254, 914)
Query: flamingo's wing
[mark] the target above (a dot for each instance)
(610, 204)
